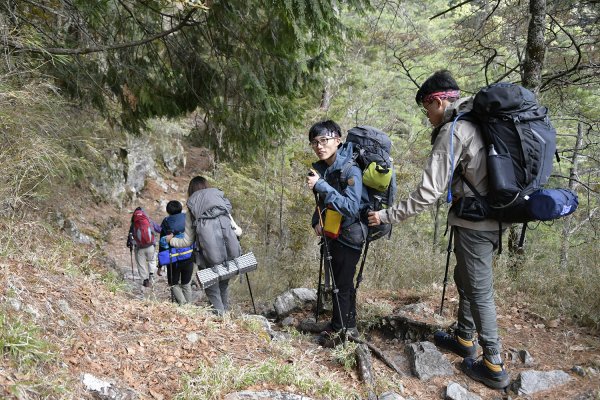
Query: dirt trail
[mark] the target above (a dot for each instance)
(147, 345)
(557, 344)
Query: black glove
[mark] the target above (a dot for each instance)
(130, 241)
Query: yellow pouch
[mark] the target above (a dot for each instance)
(333, 223)
(376, 178)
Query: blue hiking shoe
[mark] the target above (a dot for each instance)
(491, 373)
(456, 344)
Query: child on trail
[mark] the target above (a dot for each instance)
(342, 201)
(141, 237)
(209, 224)
(179, 272)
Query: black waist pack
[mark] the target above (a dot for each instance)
(471, 209)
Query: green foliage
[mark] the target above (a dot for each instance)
(345, 355)
(25, 353)
(224, 376)
(369, 314)
(243, 64)
(113, 282)
(21, 342)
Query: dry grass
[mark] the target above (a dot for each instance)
(45, 141)
(72, 321)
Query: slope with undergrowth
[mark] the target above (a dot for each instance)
(71, 309)
(65, 313)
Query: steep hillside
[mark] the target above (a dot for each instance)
(73, 309)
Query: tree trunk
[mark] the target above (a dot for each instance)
(535, 50)
(536, 46)
(573, 172)
(326, 95)
(282, 183)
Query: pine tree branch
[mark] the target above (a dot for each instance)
(574, 67)
(450, 9)
(79, 51)
(576, 180)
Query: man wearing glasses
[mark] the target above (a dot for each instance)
(337, 182)
(459, 154)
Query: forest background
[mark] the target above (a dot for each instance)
(246, 79)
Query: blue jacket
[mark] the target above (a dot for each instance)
(174, 224)
(349, 198)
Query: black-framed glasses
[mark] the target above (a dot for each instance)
(323, 142)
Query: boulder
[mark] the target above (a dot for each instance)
(454, 391)
(294, 300)
(530, 382)
(426, 361)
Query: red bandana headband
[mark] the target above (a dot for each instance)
(448, 94)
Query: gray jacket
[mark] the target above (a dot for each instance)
(469, 152)
(210, 225)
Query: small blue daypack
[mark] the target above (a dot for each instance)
(167, 255)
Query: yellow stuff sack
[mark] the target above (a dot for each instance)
(333, 223)
(377, 178)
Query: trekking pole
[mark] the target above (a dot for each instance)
(360, 273)
(247, 281)
(449, 250)
(130, 240)
(131, 256)
(335, 290)
(319, 293)
(362, 265)
(250, 290)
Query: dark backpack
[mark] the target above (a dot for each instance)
(372, 149)
(521, 145)
(143, 233)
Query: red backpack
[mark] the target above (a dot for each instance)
(143, 234)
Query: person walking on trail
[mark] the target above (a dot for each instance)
(179, 273)
(337, 183)
(475, 242)
(141, 236)
(209, 224)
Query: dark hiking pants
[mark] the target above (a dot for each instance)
(343, 263)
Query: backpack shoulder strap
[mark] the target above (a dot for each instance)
(469, 184)
(346, 171)
(451, 148)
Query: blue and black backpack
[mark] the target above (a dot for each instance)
(521, 144)
(372, 149)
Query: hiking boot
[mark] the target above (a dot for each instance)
(353, 332)
(456, 344)
(147, 283)
(329, 339)
(492, 375)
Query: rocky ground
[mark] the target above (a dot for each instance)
(144, 344)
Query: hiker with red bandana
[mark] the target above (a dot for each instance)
(459, 154)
